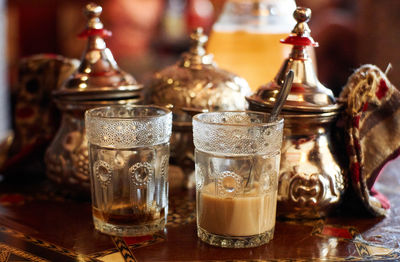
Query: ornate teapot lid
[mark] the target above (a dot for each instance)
(195, 84)
(98, 76)
(307, 95)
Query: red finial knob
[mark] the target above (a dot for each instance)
(94, 26)
(301, 32)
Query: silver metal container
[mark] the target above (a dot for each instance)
(193, 85)
(97, 82)
(311, 180)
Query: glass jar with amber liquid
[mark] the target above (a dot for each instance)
(246, 38)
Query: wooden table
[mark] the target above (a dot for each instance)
(38, 222)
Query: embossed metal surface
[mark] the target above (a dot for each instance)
(98, 76)
(97, 82)
(311, 180)
(192, 85)
(307, 93)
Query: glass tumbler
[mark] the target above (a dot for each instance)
(128, 162)
(237, 157)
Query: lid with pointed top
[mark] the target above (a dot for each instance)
(98, 76)
(195, 83)
(307, 93)
(197, 55)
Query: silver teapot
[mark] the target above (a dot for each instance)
(97, 82)
(311, 179)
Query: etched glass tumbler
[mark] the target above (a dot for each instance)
(237, 157)
(128, 162)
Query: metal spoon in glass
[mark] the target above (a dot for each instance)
(276, 110)
(282, 96)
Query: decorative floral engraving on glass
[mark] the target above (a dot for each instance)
(141, 173)
(164, 167)
(229, 184)
(214, 133)
(128, 156)
(103, 172)
(125, 128)
(237, 163)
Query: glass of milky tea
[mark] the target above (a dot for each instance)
(128, 161)
(237, 158)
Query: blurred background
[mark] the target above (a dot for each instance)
(150, 34)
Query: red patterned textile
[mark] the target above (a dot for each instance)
(35, 119)
(372, 125)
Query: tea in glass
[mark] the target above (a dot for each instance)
(237, 160)
(128, 157)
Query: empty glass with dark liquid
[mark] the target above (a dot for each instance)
(128, 156)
